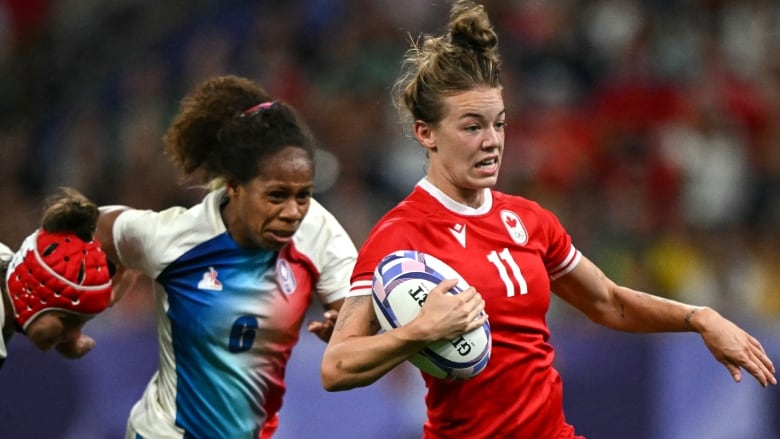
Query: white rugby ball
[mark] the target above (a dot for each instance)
(401, 284)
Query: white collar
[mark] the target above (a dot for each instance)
(453, 205)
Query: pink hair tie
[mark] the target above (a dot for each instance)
(251, 111)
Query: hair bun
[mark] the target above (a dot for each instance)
(470, 28)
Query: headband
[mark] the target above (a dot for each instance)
(251, 111)
(57, 271)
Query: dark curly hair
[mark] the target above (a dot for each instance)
(213, 133)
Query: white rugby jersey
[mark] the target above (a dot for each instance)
(228, 317)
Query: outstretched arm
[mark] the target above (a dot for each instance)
(624, 309)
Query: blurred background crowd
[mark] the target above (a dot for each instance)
(651, 128)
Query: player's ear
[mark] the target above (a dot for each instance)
(424, 135)
(232, 186)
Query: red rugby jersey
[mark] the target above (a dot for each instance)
(508, 249)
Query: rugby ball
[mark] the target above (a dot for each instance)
(401, 284)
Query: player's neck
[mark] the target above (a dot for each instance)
(473, 198)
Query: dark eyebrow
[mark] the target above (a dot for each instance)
(480, 116)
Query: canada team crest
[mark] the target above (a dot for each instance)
(515, 227)
(284, 276)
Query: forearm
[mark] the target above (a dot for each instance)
(635, 311)
(357, 356)
(625, 309)
(358, 361)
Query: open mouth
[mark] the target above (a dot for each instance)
(487, 163)
(281, 235)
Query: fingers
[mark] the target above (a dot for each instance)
(763, 357)
(444, 286)
(316, 326)
(737, 350)
(755, 361)
(444, 316)
(476, 323)
(734, 371)
(474, 305)
(477, 316)
(76, 347)
(316, 329)
(761, 367)
(324, 329)
(331, 315)
(758, 363)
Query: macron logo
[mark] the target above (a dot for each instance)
(459, 232)
(210, 281)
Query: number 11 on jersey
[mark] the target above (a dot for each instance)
(501, 261)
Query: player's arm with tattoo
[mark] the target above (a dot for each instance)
(588, 289)
(357, 356)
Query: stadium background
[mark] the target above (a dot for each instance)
(649, 127)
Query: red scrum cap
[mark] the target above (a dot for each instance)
(57, 271)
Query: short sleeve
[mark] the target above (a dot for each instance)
(561, 256)
(325, 242)
(145, 241)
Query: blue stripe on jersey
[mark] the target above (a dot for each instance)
(218, 392)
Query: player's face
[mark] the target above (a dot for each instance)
(467, 145)
(53, 328)
(266, 211)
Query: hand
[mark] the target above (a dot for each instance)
(324, 329)
(445, 316)
(734, 347)
(76, 347)
(60, 330)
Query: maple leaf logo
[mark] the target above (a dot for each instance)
(515, 227)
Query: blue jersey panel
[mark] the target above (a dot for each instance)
(215, 297)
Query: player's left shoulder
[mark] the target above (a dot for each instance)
(502, 200)
(523, 218)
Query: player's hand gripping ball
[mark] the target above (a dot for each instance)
(401, 284)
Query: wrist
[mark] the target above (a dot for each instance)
(698, 317)
(415, 332)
